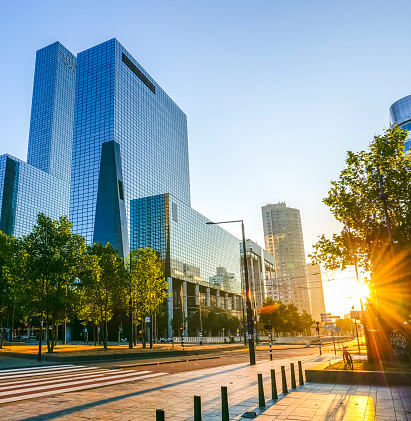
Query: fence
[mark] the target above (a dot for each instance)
(208, 339)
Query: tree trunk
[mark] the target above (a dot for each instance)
(105, 334)
(143, 333)
(1, 333)
(95, 334)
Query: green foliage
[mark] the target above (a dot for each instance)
(354, 201)
(147, 283)
(102, 287)
(284, 318)
(52, 257)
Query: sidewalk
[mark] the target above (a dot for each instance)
(174, 393)
(323, 402)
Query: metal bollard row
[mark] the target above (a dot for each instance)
(261, 397)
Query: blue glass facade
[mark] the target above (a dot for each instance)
(400, 115)
(192, 251)
(52, 111)
(25, 191)
(42, 185)
(201, 260)
(117, 100)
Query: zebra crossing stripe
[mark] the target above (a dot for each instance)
(63, 382)
(46, 372)
(54, 379)
(43, 367)
(77, 388)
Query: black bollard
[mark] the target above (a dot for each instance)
(300, 373)
(261, 399)
(293, 384)
(197, 408)
(284, 379)
(273, 385)
(224, 404)
(159, 415)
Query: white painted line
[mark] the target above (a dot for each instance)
(19, 383)
(37, 373)
(73, 389)
(43, 367)
(63, 382)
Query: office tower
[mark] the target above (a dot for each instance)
(400, 115)
(316, 291)
(118, 101)
(42, 185)
(52, 111)
(130, 182)
(261, 272)
(284, 240)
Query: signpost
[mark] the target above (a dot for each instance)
(270, 329)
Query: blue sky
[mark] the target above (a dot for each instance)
(275, 92)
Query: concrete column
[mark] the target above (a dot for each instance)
(197, 290)
(185, 307)
(235, 301)
(217, 296)
(170, 307)
(226, 301)
(208, 299)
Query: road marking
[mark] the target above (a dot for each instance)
(19, 383)
(43, 367)
(15, 396)
(46, 372)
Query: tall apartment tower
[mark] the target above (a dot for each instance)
(316, 291)
(42, 185)
(284, 240)
(400, 115)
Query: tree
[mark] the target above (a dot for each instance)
(147, 283)
(52, 259)
(356, 200)
(102, 286)
(10, 277)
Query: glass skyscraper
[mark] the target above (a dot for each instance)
(117, 100)
(130, 182)
(109, 148)
(43, 183)
(400, 115)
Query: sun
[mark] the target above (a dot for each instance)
(362, 291)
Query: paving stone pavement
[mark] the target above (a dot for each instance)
(174, 393)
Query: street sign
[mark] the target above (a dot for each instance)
(329, 326)
(356, 315)
(326, 317)
(338, 329)
(147, 319)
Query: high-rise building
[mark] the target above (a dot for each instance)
(130, 182)
(42, 185)
(118, 101)
(316, 291)
(109, 148)
(261, 272)
(284, 240)
(400, 115)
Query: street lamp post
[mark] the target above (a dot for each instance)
(42, 292)
(250, 320)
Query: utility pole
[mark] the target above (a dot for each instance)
(201, 319)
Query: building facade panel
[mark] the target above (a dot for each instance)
(400, 115)
(116, 99)
(284, 240)
(52, 111)
(34, 192)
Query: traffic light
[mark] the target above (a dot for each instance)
(268, 327)
(318, 327)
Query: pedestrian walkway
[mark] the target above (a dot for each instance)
(139, 398)
(28, 383)
(325, 402)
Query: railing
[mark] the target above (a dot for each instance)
(208, 339)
